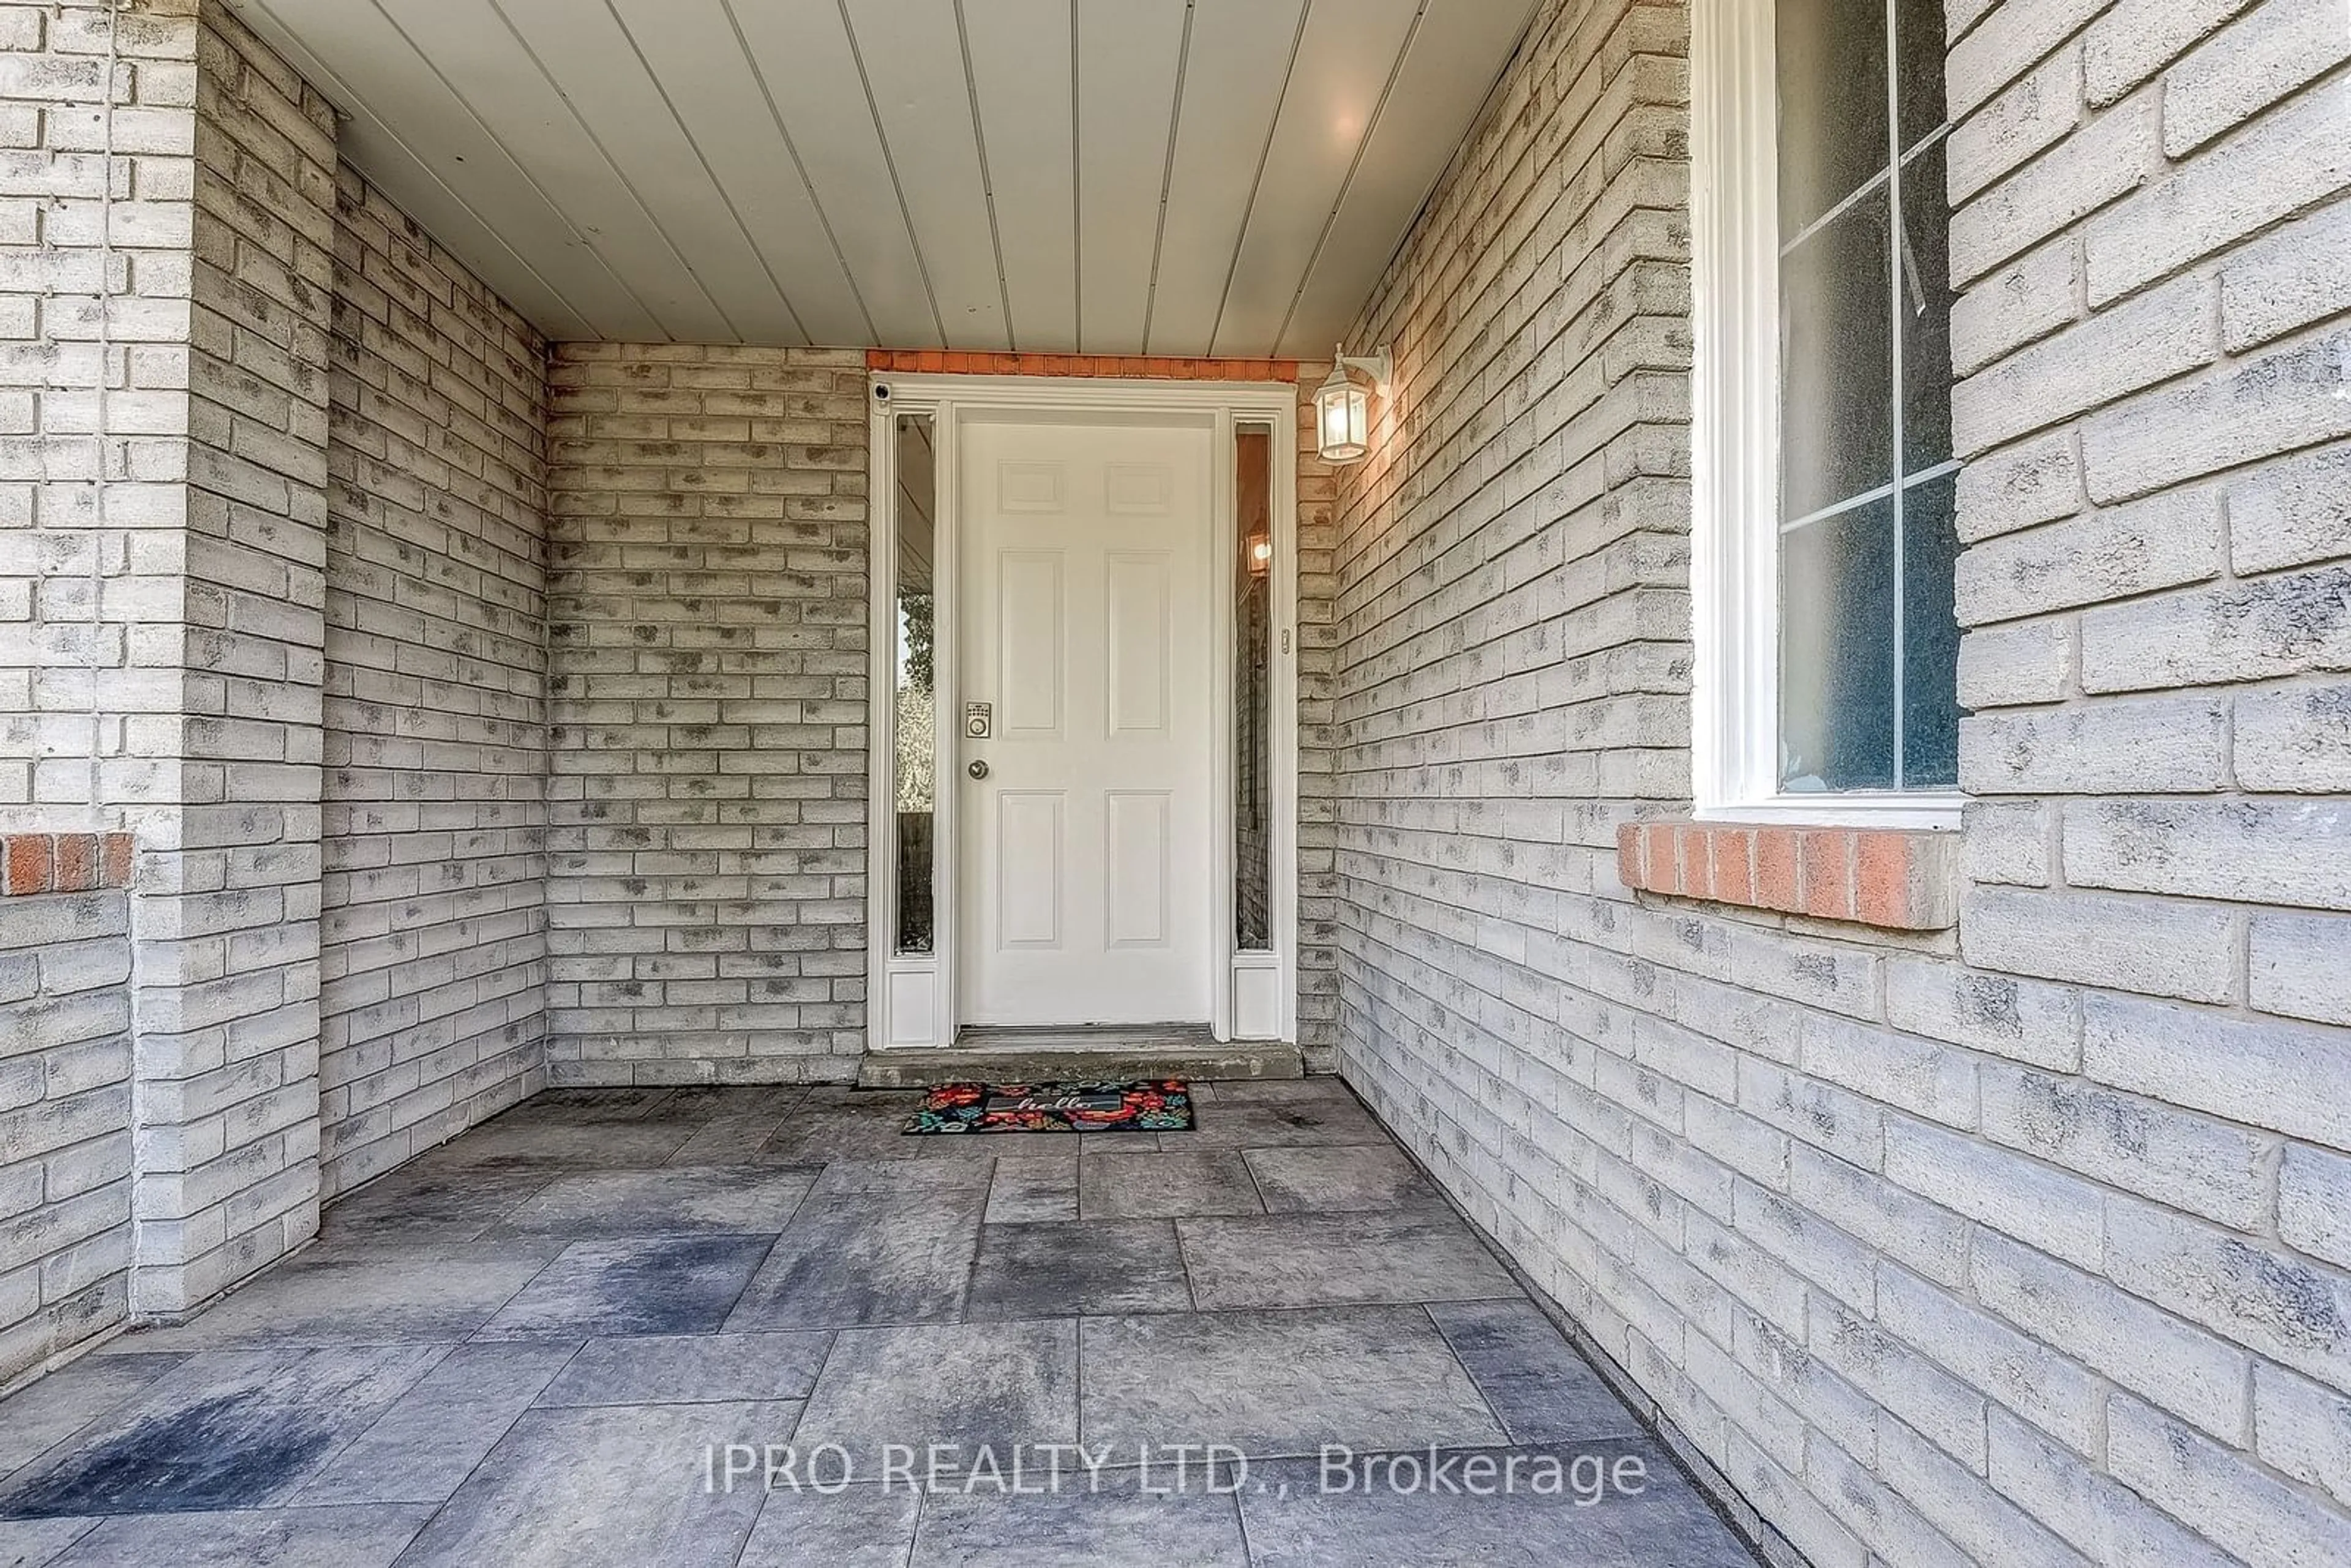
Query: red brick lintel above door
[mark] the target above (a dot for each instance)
(933, 361)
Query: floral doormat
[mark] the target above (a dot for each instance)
(1154, 1105)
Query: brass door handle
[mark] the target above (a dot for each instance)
(978, 770)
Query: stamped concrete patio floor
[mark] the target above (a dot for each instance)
(527, 1346)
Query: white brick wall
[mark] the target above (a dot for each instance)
(1318, 882)
(227, 921)
(434, 949)
(163, 278)
(65, 1080)
(97, 140)
(164, 216)
(707, 596)
(2021, 1246)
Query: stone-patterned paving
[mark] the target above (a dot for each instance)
(533, 1345)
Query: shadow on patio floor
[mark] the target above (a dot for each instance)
(550, 1341)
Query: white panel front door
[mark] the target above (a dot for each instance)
(1085, 849)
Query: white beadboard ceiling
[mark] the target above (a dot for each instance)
(1182, 177)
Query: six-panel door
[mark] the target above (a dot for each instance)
(1086, 853)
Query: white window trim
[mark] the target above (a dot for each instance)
(1735, 446)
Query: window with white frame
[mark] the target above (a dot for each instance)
(1822, 570)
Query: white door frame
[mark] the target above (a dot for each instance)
(911, 997)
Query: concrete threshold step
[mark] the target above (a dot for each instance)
(1078, 1055)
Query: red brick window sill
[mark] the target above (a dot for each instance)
(1897, 878)
(63, 863)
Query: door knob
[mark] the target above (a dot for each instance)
(978, 770)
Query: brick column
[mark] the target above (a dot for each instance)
(165, 293)
(227, 981)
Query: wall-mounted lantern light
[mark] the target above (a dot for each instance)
(1343, 405)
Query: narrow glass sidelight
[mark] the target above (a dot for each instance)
(1253, 689)
(915, 685)
(1868, 641)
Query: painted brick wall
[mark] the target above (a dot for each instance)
(707, 596)
(97, 165)
(227, 922)
(167, 243)
(1510, 672)
(1316, 616)
(434, 962)
(65, 1060)
(2158, 592)
(165, 278)
(2020, 1246)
